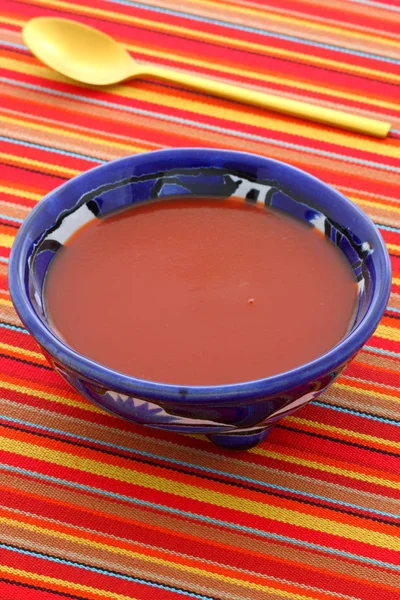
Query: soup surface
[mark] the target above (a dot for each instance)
(200, 292)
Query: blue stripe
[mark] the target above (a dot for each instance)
(183, 555)
(8, 218)
(19, 329)
(377, 4)
(49, 148)
(3, 259)
(387, 228)
(190, 515)
(381, 351)
(203, 126)
(393, 309)
(358, 414)
(263, 32)
(197, 467)
(72, 563)
(13, 45)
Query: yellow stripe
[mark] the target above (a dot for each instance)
(386, 332)
(263, 77)
(328, 468)
(258, 120)
(37, 163)
(179, 488)
(61, 583)
(345, 189)
(22, 193)
(379, 205)
(48, 396)
(29, 353)
(272, 16)
(71, 134)
(10, 21)
(345, 432)
(356, 380)
(363, 392)
(220, 39)
(393, 247)
(152, 559)
(6, 240)
(197, 107)
(3, 300)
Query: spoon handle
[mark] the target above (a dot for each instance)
(295, 108)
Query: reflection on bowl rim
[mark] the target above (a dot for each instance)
(259, 388)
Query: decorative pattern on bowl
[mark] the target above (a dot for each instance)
(222, 184)
(236, 415)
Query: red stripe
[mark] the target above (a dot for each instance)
(351, 423)
(222, 52)
(374, 374)
(350, 16)
(17, 591)
(254, 560)
(38, 182)
(97, 580)
(43, 155)
(201, 508)
(116, 30)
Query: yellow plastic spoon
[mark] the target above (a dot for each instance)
(92, 57)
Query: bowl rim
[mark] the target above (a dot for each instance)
(257, 388)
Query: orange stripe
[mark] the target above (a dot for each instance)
(152, 552)
(395, 324)
(318, 459)
(368, 367)
(20, 185)
(64, 389)
(373, 387)
(23, 356)
(117, 461)
(343, 434)
(34, 578)
(320, 570)
(63, 126)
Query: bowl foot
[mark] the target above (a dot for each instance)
(237, 440)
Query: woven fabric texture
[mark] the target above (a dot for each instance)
(93, 507)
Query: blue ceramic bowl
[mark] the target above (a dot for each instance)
(236, 415)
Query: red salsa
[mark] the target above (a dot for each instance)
(200, 292)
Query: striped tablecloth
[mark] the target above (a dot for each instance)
(93, 507)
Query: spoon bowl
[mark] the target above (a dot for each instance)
(78, 51)
(90, 56)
